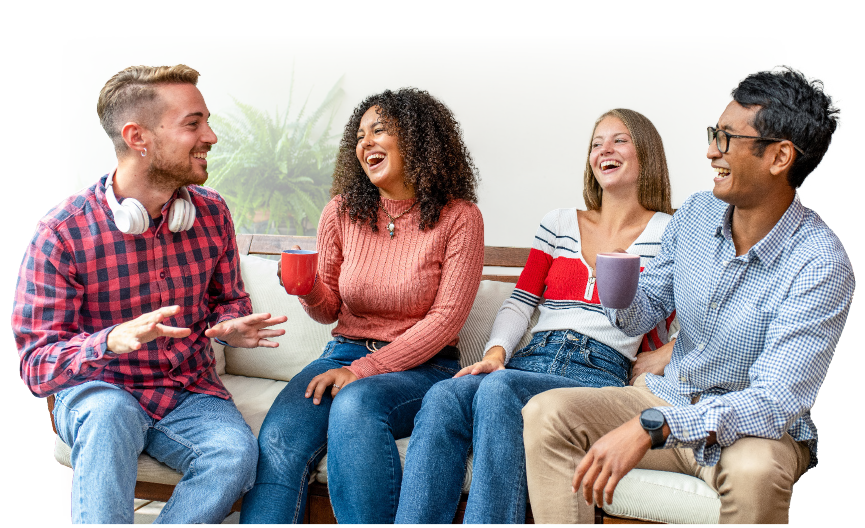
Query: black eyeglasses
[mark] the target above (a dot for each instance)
(722, 140)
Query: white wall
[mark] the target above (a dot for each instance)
(526, 104)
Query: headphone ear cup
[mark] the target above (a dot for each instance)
(182, 216)
(175, 216)
(190, 216)
(139, 220)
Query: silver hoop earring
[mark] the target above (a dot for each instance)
(144, 153)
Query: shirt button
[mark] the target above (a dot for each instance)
(701, 346)
(685, 434)
(683, 379)
(159, 236)
(168, 346)
(161, 274)
(713, 305)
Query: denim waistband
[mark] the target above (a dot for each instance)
(448, 352)
(610, 353)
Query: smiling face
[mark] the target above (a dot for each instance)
(182, 138)
(741, 178)
(613, 156)
(378, 154)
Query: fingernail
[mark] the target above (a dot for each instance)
(306, 395)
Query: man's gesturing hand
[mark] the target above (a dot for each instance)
(610, 459)
(248, 332)
(129, 336)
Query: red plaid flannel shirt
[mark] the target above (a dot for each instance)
(81, 277)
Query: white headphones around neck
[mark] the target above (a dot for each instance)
(132, 218)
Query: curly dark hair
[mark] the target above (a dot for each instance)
(437, 163)
(791, 107)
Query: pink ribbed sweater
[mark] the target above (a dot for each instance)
(415, 291)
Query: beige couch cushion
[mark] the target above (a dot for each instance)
(253, 397)
(219, 354)
(303, 341)
(476, 331)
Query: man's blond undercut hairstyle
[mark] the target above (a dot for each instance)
(654, 178)
(131, 95)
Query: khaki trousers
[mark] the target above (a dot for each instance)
(754, 476)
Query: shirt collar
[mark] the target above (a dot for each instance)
(769, 248)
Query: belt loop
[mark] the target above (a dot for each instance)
(584, 341)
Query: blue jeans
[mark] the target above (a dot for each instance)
(204, 437)
(484, 413)
(357, 429)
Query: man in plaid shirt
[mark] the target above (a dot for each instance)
(116, 304)
(762, 288)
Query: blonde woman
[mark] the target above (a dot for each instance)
(627, 195)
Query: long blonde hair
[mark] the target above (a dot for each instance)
(131, 95)
(654, 178)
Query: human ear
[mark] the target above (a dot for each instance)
(784, 155)
(133, 134)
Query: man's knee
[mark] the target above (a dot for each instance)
(542, 419)
(235, 454)
(755, 463)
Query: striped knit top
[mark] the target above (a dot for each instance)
(415, 290)
(557, 271)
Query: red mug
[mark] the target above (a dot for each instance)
(298, 270)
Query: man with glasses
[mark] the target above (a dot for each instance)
(762, 288)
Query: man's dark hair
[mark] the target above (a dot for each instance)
(792, 108)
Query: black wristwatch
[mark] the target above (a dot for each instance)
(653, 422)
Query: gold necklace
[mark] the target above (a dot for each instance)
(391, 226)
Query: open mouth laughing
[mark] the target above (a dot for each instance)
(721, 173)
(373, 160)
(607, 165)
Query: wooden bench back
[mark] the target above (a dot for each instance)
(505, 257)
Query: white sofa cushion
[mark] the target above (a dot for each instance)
(661, 496)
(304, 339)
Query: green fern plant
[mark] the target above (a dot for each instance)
(275, 172)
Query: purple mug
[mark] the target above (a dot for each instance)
(617, 278)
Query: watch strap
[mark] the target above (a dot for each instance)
(657, 437)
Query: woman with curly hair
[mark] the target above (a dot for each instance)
(627, 194)
(400, 260)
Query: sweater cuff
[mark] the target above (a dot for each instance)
(362, 368)
(316, 295)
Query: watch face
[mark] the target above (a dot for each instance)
(652, 419)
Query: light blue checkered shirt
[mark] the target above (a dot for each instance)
(757, 331)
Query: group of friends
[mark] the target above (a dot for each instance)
(711, 371)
